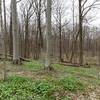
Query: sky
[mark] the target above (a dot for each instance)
(68, 4)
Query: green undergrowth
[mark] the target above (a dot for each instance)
(72, 84)
(88, 72)
(34, 65)
(45, 85)
(21, 88)
(88, 75)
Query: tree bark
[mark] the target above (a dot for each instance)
(48, 37)
(16, 57)
(11, 36)
(26, 38)
(5, 30)
(80, 34)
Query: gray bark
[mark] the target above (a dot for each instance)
(16, 58)
(5, 30)
(1, 27)
(48, 37)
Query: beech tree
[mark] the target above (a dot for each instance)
(48, 61)
(16, 57)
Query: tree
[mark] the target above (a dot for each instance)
(27, 13)
(61, 22)
(83, 11)
(10, 36)
(48, 61)
(39, 36)
(1, 29)
(5, 30)
(16, 57)
(80, 33)
(1, 18)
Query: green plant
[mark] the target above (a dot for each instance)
(20, 88)
(71, 84)
(33, 65)
(44, 88)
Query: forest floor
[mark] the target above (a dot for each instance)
(31, 82)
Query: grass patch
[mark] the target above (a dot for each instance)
(21, 88)
(48, 85)
(78, 71)
(72, 84)
(34, 65)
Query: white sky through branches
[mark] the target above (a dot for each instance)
(68, 4)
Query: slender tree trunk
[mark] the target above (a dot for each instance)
(1, 26)
(60, 43)
(73, 45)
(11, 36)
(26, 39)
(39, 26)
(39, 37)
(2, 36)
(80, 34)
(99, 52)
(5, 30)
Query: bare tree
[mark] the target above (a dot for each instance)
(5, 30)
(48, 60)
(83, 11)
(1, 18)
(27, 13)
(61, 22)
(10, 35)
(39, 9)
(16, 57)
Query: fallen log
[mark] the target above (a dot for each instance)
(21, 58)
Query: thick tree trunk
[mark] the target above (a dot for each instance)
(2, 41)
(16, 57)
(48, 37)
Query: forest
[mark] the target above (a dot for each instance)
(49, 49)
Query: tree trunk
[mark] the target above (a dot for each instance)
(11, 36)
(5, 30)
(1, 29)
(26, 39)
(16, 57)
(48, 37)
(80, 34)
(60, 43)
